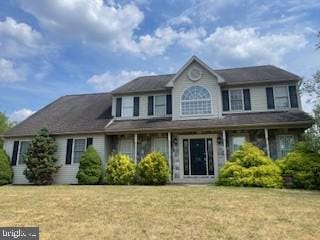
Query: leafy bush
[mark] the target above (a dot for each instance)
(249, 166)
(40, 159)
(5, 168)
(303, 165)
(153, 169)
(90, 171)
(120, 170)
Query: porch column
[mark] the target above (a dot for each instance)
(266, 135)
(169, 149)
(224, 145)
(135, 147)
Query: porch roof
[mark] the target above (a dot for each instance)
(245, 120)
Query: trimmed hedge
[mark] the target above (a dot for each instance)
(120, 170)
(90, 170)
(303, 166)
(153, 169)
(5, 168)
(250, 167)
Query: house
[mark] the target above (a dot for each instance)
(197, 117)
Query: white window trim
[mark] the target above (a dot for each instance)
(278, 141)
(132, 148)
(236, 135)
(198, 114)
(122, 106)
(242, 99)
(73, 144)
(166, 144)
(288, 94)
(165, 105)
(19, 152)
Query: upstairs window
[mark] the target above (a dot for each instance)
(196, 100)
(236, 100)
(281, 97)
(160, 105)
(127, 106)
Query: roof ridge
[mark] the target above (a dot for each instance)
(266, 65)
(82, 94)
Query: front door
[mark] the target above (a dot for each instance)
(198, 156)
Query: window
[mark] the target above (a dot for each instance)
(24, 147)
(236, 100)
(161, 145)
(237, 141)
(286, 144)
(160, 105)
(195, 100)
(126, 147)
(281, 97)
(127, 106)
(78, 149)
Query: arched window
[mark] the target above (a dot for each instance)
(195, 100)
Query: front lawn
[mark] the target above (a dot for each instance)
(169, 212)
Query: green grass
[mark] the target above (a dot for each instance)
(169, 212)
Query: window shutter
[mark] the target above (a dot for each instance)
(89, 141)
(150, 105)
(293, 96)
(118, 107)
(15, 153)
(225, 100)
(246, 99)
(69, 151)
(270, 99)
(169, 104)
(136, 106)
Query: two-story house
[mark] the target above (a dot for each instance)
(197, 117)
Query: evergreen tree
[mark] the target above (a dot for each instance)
(40, 159)
(90, 171)
(5, 168)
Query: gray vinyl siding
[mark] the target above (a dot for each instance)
(67, 173)
(207, 81)
(143, 106)
(258, 97)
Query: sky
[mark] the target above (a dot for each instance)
(53, 48)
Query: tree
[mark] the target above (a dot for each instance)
(90, 171)
(5, 168)
(5, 125)
(40, 160)
(312, 88)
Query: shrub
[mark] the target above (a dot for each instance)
(90, 170)
(303, 165)
(5, 168)
(40, 159)
(249, 166)
(120, 170)
(153, 169)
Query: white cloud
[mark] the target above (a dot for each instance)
(19, 40)
(248, 44)
(109, 24)
(20, 115)
(9, 72)
(109, 81)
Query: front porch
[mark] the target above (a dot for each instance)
(197, 156)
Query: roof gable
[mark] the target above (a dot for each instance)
(187, 64)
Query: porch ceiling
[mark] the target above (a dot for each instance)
(245, 120)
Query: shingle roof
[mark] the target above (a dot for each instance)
(145, 84)
(69, 114)
(232, 76)
(256, 74)
(272, 119)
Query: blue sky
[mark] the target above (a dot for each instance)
(53, 48)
